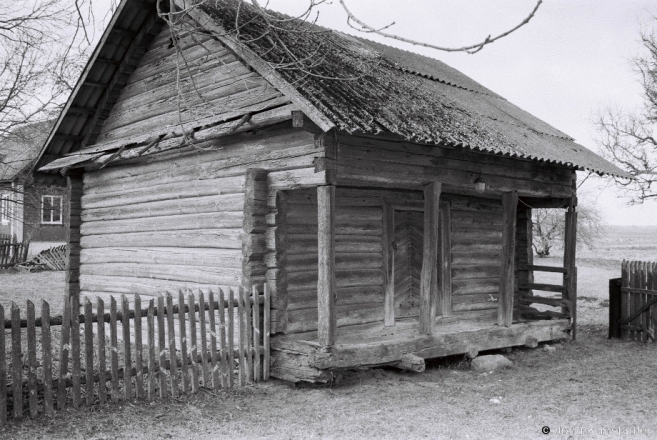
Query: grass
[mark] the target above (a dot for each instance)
(37, 286)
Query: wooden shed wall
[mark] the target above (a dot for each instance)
(179, 221)
(160, 92)
(476, 243)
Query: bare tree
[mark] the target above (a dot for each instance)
(549, 228)
(43, 44)
(629, 139)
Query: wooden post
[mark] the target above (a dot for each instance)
(570, 248)
(46, 353)
(326, 288)
(74, 211)
(507, 273)
(3, 370)
(429, 275)
(388, 236)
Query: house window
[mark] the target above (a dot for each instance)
(4, 208)
(51, 209)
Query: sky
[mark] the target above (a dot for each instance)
(570, 61)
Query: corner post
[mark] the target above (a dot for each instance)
(570, 278)
(507, 273)
(429, 274)
(326, 287)
(74, 220)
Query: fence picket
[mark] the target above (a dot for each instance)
(139, 362)
(127, 349)
(652, 317)
(240, 320)
(213, 341)
(266, 325)
(16, 366)
(63, 355)
(114, 350)
(183, 342)
(161, 346)
(46, 357)
(172, 347)
(625, 283)
(222, 339)
(256, 335)
(150, 323)
(3, 369)
(204, 340)
(102, 370)
(249, 335)
(231, 338)
(89, 351)
(193, 349)
(75, 348)
(31, 360)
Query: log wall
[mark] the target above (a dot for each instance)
(199, 80)
(180, 221)
(358, 255)
(476, 236)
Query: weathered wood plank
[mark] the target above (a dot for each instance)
(388, 268)
(16, 364)
(444, 301)
(183, 342)
(127, 349)
(139, 358)
(31, 360)
(204, 338)
(102, 366)
(203, 238)
(46, 353)
(114, 351)
(161, 347)
(89, 352)
(172, 346)
(75, 349)
(230, 322)
(326, 283)
(150, 323)
(429, 277)
(507, 279)
(266, 325)
(193, 343)
(215, 367)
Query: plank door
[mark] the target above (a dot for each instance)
(407, 247)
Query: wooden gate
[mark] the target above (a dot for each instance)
(638, 301)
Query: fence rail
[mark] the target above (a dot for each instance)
(633, 304)
(163, 346)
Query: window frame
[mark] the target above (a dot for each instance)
(53, 198)
(4, 208)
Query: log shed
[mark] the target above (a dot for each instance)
(382, 197)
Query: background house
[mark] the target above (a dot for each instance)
(30, 210)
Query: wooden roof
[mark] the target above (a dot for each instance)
(342, 81)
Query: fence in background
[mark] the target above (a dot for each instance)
(12, 253)
(162, 347)
(633, 303)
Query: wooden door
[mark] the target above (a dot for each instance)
(407, 248)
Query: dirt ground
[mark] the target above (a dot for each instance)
(589, 388)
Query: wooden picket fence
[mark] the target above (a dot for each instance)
(633, 306)
(98, 361)
(13, 253)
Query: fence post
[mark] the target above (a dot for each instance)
(614, 308)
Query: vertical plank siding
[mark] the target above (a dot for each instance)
(204, 358)
(638, 305)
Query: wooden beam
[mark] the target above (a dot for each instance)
(507, 278)
(444, 303)
(326, 287)
(570, 277)
(429, 274)
(72, 277)
(388, 236)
